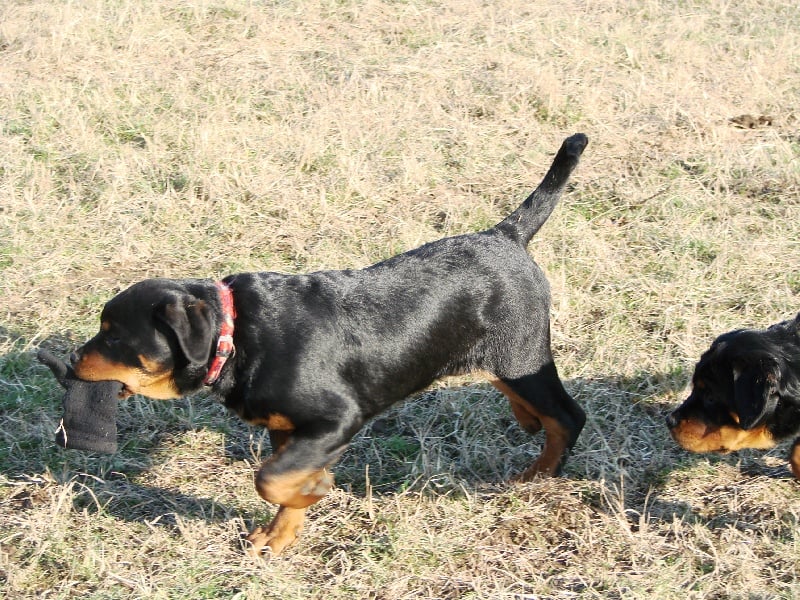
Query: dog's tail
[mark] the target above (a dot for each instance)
(524, 222)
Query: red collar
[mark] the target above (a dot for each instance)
(225, 347)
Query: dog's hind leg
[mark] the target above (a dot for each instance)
(539, 400)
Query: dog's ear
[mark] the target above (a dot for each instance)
(755, 392)
(191, 320)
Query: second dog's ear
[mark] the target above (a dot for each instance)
(755, 393)
(191, 320)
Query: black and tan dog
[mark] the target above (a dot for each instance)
(313, 357)
(745, 393)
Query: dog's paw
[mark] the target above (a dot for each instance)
(264, 542)
(278, 535)
(257, 543)
(543, 467)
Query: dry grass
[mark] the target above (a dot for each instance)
(144, 138)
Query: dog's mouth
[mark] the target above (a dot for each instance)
(162, 388)
(91, 372)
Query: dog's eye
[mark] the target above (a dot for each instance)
(111, 340)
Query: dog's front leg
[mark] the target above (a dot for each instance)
(294, 477)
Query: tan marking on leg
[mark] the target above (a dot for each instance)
(555, 444)
(523, 412)
(296, 489)
(556, 435)
(278, 535)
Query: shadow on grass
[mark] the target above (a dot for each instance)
(445, 441)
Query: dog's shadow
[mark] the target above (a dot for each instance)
(446, 440)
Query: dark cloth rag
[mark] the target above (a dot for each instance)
(89, 421)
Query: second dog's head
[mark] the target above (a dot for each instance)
(156, 337)
(743, 390)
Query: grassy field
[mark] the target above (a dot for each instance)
(142, 138)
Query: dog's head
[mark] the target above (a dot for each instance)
(737, 387)
(155, 337)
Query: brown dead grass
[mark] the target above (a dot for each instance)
(142, 138)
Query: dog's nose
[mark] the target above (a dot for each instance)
(672, 420)
(74, 358)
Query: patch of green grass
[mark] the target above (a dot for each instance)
(400, 447)
(15, 127)
(704, 251)
(7, 254)
(793, 280)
